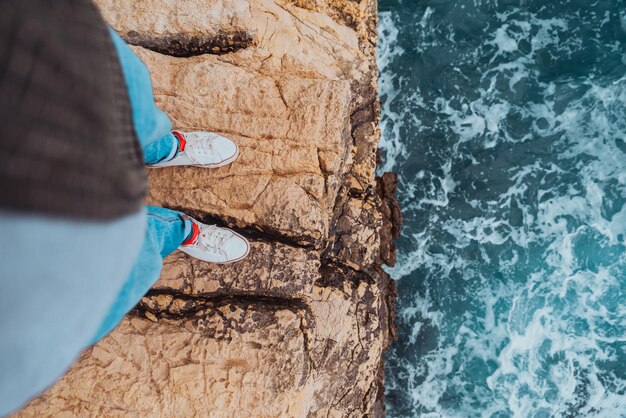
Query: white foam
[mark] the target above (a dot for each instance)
(543, 296)
(388, 50)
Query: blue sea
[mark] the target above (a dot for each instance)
(506, 123)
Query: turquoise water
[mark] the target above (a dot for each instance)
(506, 122)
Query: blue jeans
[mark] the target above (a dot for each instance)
(166, 229)
(58, 279)
(152, 125)
(64, 280)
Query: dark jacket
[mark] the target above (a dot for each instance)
(67, 142)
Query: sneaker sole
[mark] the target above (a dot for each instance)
(222, 163)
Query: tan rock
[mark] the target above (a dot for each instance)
(171, 17)
(298, 328)
(204, 25)
(281, 126)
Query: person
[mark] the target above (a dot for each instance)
(168, 229)
(78, 248)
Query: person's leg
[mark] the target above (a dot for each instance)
(165, 232)
(167, 229)
(161, 150)
(161, 147)
(58, 279)
(152, 125)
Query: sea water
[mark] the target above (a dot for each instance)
(506, 123)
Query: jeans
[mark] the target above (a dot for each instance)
(62, 281)
(58, 279)
(166, 229)
(152, 125)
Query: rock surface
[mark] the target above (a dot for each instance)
(298, 328)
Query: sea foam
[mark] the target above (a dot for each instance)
(506, 124)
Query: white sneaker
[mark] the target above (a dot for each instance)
(202, 149)
(215, 245)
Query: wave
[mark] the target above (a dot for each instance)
(506, 126)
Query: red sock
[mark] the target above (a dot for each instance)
(181, 140)
(194, 234)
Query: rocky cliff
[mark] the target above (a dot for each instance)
(299, 328)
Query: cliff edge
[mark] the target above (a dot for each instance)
(299, 328)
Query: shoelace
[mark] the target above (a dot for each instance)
(200, 151)
(212, 238)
